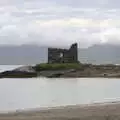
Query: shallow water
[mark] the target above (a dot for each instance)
(43, 92)
(8, 67)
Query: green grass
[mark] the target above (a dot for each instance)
(55, 66)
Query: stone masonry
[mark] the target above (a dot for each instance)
(57, 55)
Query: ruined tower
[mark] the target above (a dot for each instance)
(57, 55)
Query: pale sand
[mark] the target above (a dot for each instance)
(106, 111)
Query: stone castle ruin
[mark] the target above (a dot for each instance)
(57, 55)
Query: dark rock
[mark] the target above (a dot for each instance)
(60, 73)
(57, 75)
(25, 69)
(21, 72)
(17, 74)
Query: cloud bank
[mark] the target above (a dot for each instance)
(59, 22)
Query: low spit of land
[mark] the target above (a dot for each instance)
(108, 111)
(78, 70)
(64, 70)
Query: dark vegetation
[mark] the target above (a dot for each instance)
(57, 66)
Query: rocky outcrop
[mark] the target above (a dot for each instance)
(58, 74)
(25, 69)
(105, 71)
(21, 72)
(17, 74)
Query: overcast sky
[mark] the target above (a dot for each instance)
(59, 22)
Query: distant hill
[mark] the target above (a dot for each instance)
(33, 54)
(100, 54)
(22, 55)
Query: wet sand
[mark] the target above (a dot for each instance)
(107, 111)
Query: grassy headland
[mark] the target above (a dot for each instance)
(63, 70)
(57, 66)
(77, 70)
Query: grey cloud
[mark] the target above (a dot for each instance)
(89, 3)
(73, 3)
(17, 21)
(54, 9)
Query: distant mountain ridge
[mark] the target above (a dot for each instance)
(101, 54)
(33, 54)
(22, 55)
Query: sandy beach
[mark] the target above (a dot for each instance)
(106, 111)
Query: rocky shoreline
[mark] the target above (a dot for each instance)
(87, 70)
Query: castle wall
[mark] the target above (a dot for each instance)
(56, 55)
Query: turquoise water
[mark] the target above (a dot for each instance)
(43, 92)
